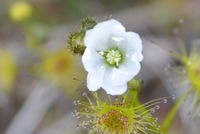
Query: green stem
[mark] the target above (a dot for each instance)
(165, 127)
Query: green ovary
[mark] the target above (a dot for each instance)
(113, 57)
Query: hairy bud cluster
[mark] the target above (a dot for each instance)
(76, 39)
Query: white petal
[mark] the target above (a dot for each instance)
(131, 66)
(92, 60)
(134, 55)
(94, 80)
(100, 36)
(115, 90)
(133, 42)
(93, 63)
(119, 76)
(137, 57)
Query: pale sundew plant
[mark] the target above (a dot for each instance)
(188, 72)
(190, 75)
(112, 57)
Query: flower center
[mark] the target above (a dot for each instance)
(113, 57)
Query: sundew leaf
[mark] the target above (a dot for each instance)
(121, 116)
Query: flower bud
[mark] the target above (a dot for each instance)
(88, 23)
(76, 42)
(76, 39)
(135, 84)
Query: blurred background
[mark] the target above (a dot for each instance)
(40, 78)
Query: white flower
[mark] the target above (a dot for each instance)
(112, 57)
